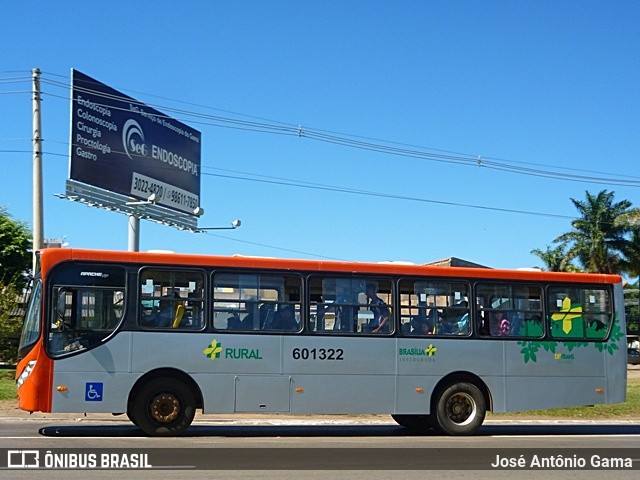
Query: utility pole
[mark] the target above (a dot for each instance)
(38, 228)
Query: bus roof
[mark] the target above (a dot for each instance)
(52, 256)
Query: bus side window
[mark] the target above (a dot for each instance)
(171, 299)
(576, 312)
(434, 308)
(256, 302)
(506, 310)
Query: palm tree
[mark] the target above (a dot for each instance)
(555, 259)
(599, 239)
(631, 261)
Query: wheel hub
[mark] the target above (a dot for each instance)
(461, 409)
(165, 408)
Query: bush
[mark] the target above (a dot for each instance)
(10, 323)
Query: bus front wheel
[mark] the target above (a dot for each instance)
(459, 410)
(163, 407)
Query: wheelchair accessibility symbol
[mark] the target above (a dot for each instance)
(93, 392)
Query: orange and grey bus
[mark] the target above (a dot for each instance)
(157, 336)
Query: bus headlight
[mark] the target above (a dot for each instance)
(25, 373)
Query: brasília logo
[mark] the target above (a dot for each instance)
(133, 139)
(430, 350)
(214, 350)
(416, 352)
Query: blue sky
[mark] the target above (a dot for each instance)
(546, 85)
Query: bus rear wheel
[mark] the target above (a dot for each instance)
(163, 407)
(459, 410)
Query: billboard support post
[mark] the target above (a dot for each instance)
(38, 228)
(134, 232)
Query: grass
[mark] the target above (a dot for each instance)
(7, 384)
(621, 411)
(629, 410)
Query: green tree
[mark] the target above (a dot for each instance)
(15, 264)
(555, 259)
(599, 240)
(10, 323)
(15, 251)
(631, 261)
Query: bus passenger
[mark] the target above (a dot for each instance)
(247, 321)
(234, 322)
(163, 318)
(423, 323)
(448, 324)
(499, 325)
(379, 309)
(345, 314)
(285, 319)
(266, 312)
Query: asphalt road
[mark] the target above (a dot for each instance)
(325, 447)
(322, 447)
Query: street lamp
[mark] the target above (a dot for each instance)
(151, 200)
(234, 224)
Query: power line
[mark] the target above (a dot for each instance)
(299, 130)
(258, 124)
(25, 79)
(331, 188)
(347, 140)
(287, 182)
(386, 147)
(281, 181)
(273, 247)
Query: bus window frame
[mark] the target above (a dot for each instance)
(171, 268)
(52, 314)
(299, 275)
(59, 278)
(364, 279)
(443, 280)
(611, 314)
(511, 284)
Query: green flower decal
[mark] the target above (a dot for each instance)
(531, 347)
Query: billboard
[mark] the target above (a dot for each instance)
(124, 146)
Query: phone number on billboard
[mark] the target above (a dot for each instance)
(168, 195)
(144, 186)
(181, 199)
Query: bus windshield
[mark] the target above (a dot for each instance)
(86, 302)
(31, 327)
(82, 317)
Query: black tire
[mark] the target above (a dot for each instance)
(415, 423)
(163, 407)
(459, 410)
(131, 418)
